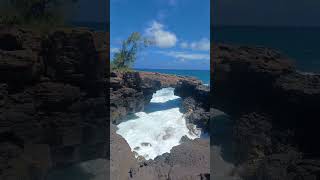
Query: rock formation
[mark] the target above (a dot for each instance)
(274, 109)
(129, 93)
(53, 110)
(52, 101)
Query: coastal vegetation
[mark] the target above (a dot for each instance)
(125, 57)
(39, 13)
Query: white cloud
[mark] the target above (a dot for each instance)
(161, 37)
(184, 45)
(114, 50)
(183, 56)
(202, 45)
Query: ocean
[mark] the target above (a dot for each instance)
(301, 44)
(203, 75)
(158, 128)
(161, 125)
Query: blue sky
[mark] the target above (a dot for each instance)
(180, 29)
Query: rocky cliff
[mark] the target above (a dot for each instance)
(274, 109)
(53, 110)
(52, 100)
(129, 93)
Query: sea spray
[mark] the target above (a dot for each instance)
(159, 128)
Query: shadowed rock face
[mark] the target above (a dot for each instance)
(273, 106)
(195, 103)
(126, 95)
(19, 68)
(10, 38)
(243, 77)
(52, 101)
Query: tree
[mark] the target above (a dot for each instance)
(125, 57)
(32, 11)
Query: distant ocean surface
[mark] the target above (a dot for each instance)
(203, 75)
(300, 44)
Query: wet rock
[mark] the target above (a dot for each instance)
(184, 139)
(195, 103)
(146, 144)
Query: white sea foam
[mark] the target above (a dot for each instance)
(159, 128)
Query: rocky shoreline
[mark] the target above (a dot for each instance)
(274, 110)
(53, 110)
(54, 114)
(130, 92)
(52, 100)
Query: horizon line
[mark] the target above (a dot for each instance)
(266, 26)
(172, 69)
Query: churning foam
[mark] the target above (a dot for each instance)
(159, 128)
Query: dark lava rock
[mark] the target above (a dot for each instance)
(126, 96)
(55, 96)
(195, 103)
(252, 137)
(189, 160)
(19, 68)
(10, 38)
(244, 76)
(122, 159)
(184, 139)
(47, 118)
(71, 57)
(146, 144)
(274, 108)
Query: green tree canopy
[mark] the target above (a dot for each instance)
(125, 57)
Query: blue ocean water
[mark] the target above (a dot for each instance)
(301, 44)
(203, 75)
